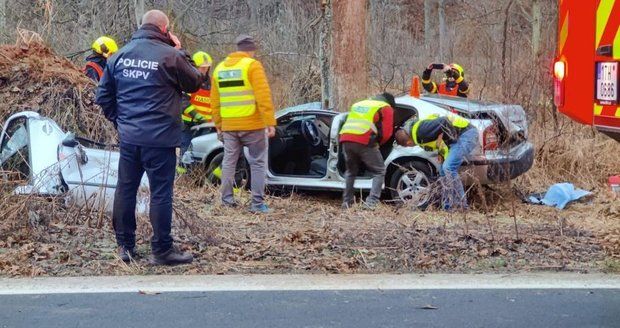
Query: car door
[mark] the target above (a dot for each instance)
(29, 144)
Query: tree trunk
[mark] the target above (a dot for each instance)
(349, 63)
(443, 31)
(428, 35)
(325, 52)
(139, 11)
(2, 15)
(505, 48)
(536, 27)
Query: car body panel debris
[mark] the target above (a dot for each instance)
(53, 163)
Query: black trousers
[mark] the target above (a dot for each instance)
(159, 165)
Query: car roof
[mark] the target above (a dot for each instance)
(312, 107)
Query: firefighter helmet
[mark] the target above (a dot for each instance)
(105, 46)
(456, 67)
(202, 58)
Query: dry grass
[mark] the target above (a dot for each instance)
(307, 232)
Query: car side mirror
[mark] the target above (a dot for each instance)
(69, 140)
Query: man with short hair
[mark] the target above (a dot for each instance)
(243, 113)
(140, 92)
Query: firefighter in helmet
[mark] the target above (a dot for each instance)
(103, 48)
(454, 83)
(196, 106)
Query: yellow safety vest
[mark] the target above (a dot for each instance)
(236, 93)
(362, 116)
(442, 149)
(200, 103)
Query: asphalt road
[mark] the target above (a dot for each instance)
(319, 308)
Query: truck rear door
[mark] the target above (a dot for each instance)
(607, 65)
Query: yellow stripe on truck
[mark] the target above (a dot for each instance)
(598, 109)
(564, 33)
(617, 45)
(618, 112)
(602, 16)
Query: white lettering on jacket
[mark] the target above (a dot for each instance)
(138, 63)
(135, 74)
(134, 68)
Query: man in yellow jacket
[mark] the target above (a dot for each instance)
(243, 114)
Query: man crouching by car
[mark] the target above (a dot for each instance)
(454, 138)
(140, 92)
(370, 123)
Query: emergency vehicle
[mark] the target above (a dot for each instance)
(586, 68)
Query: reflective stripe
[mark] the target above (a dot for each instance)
(431, 145)
(361, 117)
(237, 103)
(363, 123)
(237, 93)
(603, 12)
(564, 33)
(598, 109)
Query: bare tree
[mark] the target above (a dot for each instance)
(325, 52)
(428, 33)
(139, 11)
(443, 31)
(349, 62)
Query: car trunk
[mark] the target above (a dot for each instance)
(509, 120)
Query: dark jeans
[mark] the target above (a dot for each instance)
(186, 139)
(354, 155)
(159, 165)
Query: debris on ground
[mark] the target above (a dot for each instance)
(34, 78)
(306, 233)
(559, 195)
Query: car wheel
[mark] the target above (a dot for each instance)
(214, 171)
(411, 183)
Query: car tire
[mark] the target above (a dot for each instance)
(215, 163)
(242, 176)
(412, 182)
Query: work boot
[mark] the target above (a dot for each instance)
(126, 254)
(346, 205)
(370, 205)
(260, 209)
(172, 257)
(233, 204)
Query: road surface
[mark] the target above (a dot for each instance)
(313, 301)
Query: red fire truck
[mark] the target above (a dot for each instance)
(586, 68)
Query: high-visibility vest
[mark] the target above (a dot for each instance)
(362, 116)
(95, 67)
(457, 121)
(236, 93)
(200, 101)
(443, 90)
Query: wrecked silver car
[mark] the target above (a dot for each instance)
(54, 163)
(305, 153)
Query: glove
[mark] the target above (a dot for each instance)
(199, 119)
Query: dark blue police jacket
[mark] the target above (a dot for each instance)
(140, 91)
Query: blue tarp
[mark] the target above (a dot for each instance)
(559, 195)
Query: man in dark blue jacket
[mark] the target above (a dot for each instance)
(140, 92)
